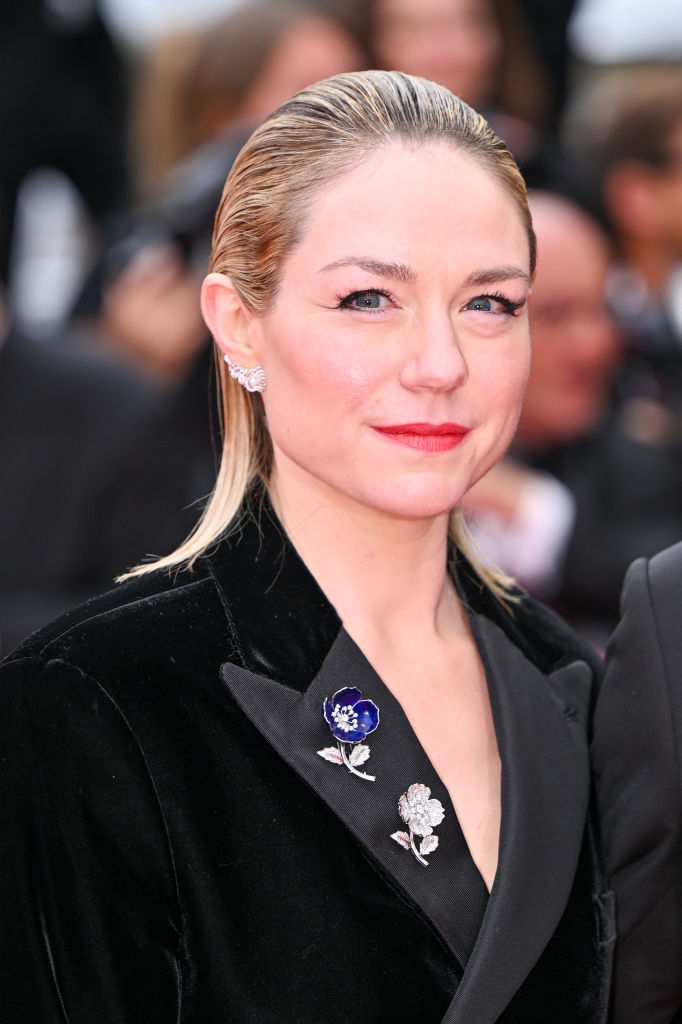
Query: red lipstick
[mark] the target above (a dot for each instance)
(426, 437)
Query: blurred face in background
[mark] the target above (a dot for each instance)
(453, 42)
(312, 49)
(670, 194)
(644, 201)
(575, 346)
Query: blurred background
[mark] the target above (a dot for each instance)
(120, 120)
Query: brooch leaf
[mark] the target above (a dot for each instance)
(350, 719)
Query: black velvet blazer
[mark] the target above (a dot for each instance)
(174, 849)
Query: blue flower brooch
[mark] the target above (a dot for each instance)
(350, 719)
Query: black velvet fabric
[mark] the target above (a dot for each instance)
(163, 861)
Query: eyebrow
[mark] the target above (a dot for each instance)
(403, 272)
(494, 275)
(397, 271)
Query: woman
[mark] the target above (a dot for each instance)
(315, 765)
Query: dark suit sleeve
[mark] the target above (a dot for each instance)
(89, 926)
(636, 752)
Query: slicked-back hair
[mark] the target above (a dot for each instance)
(317, 136)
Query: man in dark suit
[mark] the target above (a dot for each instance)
(63, 104)
(637, 757)
(96, 473)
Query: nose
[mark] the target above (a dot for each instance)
(434, 360)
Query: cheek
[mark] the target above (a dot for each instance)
(507, 376)
(311, 370)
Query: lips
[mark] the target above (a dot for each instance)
(425, 437)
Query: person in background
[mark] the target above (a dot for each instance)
(548, 24)
(583, 493)
(198, 98)
(638, 730)
(64, 104)
(455, 42)
(485, 52)
(205, 86)
(626, 130)
(577, 347)
(82, 495)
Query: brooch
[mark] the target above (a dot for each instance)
(420, 814)
(350, 719)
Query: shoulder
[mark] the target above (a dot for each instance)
(660, 576)
(550, 642)
(651, 613)
(641, 699)
(149, 624)
(546, 639)
(636, 757)
(83, 416)
(62, 363)
(644, 655)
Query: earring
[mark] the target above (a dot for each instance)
(252, 379)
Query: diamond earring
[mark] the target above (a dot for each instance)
(252, 379)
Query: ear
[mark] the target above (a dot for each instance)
(229, 321)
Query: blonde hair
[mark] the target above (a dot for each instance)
(317, 136)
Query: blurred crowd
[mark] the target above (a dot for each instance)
(115, 148)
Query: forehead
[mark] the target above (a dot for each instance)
(431, 200)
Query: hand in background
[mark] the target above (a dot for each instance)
(151, 314)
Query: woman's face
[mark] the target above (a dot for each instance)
(397, 350)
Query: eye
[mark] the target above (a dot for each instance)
(371, 300)
(495, 304)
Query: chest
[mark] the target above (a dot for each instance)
(445, 698)
(269, 872)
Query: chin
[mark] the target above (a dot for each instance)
(416, 503)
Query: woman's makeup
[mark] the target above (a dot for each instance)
(425, 437)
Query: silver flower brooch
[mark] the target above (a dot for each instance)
(420, 813)
(350, 719)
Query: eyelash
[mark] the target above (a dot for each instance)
(511, 307)
(344, 301)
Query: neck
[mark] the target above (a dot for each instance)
(382, 573)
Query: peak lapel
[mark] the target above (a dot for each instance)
(449, 892)
(541, 731)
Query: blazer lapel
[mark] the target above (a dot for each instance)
(541, 733)
(285, 673)
(449, 892)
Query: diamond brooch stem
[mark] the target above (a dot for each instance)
(349, 766)
(416, 852)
